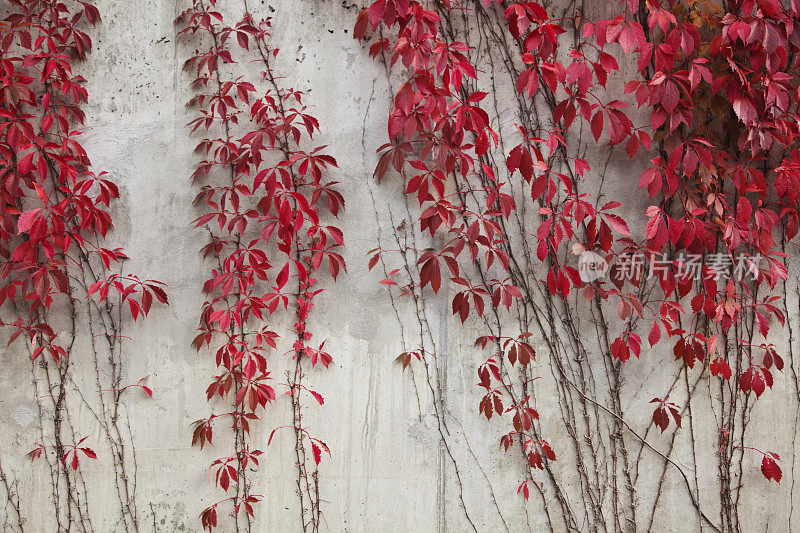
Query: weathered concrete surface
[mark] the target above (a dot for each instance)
(388, 471)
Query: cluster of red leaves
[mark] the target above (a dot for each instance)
(439, 132)
(264, 210)
(661, 416)
(718, 83)
(67, 451)
(54, 209)
(720, 91)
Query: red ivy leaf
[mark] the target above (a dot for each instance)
(720, 367)
(317, 452)
(770, 468)
(597, 125)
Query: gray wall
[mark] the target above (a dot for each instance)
(390, 470)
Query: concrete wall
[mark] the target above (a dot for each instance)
(389, 470)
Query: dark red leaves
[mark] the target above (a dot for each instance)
(208, 518)
(406, 357)
(492, 402)
(519, 350)
(523, 418)
(720, 367)
(622, 347)
(689, 349)
(756, 378)
(538, 452)
(620, 350)
(771, 357)
(430, 273)
(662, 413)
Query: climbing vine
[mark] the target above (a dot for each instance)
(506, 123)
(265, 200)
(707, 93)
(62, 287)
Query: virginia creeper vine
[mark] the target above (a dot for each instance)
(718, 84)
(53, 229)
(265, 208)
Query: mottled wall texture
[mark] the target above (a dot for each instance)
(409, 451)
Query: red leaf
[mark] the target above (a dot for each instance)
(618, 224)
(597, 125)
(430, 274)
(477, 96)
(89, 453)
(770, 468)
(758, 384)
(524, 488)
(26, 220)
(620, 350)
(373, 261)
(283, 276)
(317, 396)
(720, 367)
(660, 418)
(676, 415)
(317, 452)
(405, 98)
(134, 305)
(655, 334)
(744, 109)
